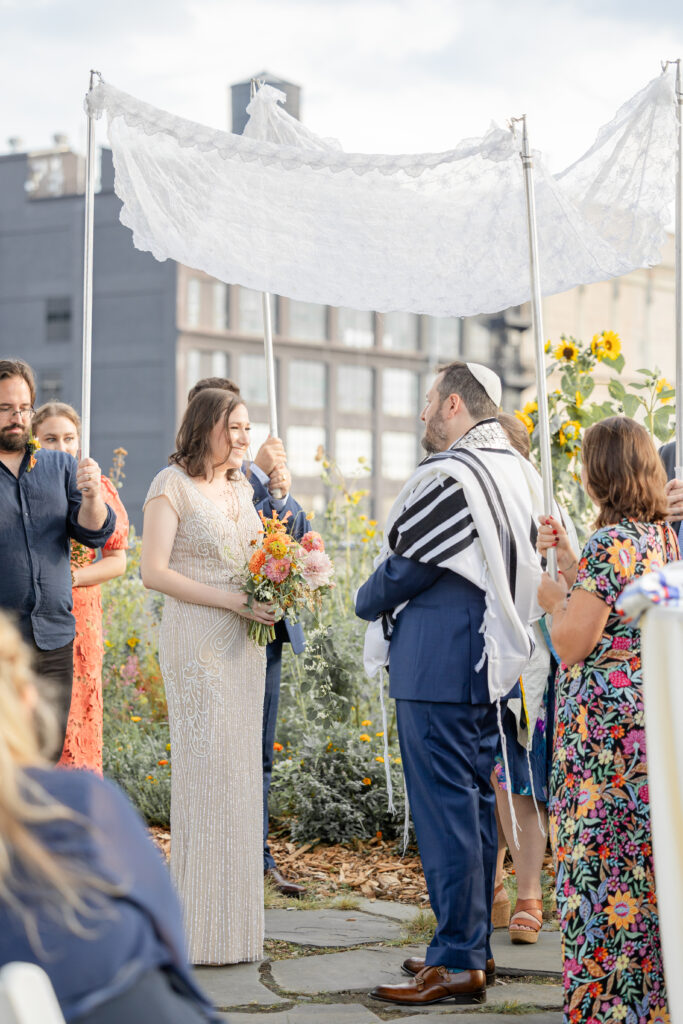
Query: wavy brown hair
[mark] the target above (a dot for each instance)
(624, 473)
(193, 441)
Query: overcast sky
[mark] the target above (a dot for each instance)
(379, 75)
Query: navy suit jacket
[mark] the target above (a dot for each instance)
(285, 631)
(436, 640)
(667, 454)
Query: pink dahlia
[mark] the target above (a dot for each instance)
(317, 569)
(312, 541)
(277, 569)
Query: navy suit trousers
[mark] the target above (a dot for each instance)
(448, 752)
(271, 700)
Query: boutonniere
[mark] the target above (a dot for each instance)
(33, 445)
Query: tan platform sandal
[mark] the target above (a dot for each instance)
(526, 922)
(500, 911)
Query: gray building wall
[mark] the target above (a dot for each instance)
(134, 312)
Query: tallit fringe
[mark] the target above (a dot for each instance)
(504, 747)
(387, 762)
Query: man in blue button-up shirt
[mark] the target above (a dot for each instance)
(46, 499)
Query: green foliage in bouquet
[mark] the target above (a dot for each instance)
(574, 406)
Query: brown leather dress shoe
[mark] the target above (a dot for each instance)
(435, 985)
(284, 887)
(414, 964)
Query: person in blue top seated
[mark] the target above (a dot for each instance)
(268, 472)
(84, 893)
(449, 605)
(47, 500)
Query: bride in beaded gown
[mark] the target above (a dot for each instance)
(198, 528)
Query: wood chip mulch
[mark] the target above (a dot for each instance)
(372, 869)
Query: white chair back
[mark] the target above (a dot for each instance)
(27, 996)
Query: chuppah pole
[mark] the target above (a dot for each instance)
(268, 349)
(679, 277)
(87, 277)
(537, 324)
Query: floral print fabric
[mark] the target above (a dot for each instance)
(599, 804)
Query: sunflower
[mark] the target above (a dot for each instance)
(530, 408)
(525, 419)
(569, 431)
(597, 348)
(567, 350)
(611, 342)
(663, 385)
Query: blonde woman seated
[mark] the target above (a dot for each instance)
(83, 892)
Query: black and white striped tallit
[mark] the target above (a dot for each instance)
(470, 509)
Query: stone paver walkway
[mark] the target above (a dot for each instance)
(332, 958)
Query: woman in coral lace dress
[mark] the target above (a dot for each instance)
(57, 426)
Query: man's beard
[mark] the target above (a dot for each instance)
(11, 442)
(435, 438)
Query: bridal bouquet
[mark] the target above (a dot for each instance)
(286, 573)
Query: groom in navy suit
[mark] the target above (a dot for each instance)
(447, 724)
(269, 472)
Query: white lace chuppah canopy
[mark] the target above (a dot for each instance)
(281, 210)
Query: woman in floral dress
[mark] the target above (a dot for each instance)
(599, 806)
(57, 425)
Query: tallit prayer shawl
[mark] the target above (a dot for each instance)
(469, 510)
(281, 210)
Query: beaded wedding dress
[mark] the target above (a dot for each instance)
(214, 678)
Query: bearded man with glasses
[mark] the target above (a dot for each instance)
(47, 499)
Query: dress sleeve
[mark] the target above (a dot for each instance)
(607, 564)
(119, 538)
(169, 485)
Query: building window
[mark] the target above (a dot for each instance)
(221, 308)
(307, 384)
(51, 386)
(194, 302)
(58, 319)
(307, 321)
(250, 311)
(442, 338)
(193, 370)
(219, 364)
(350, 446)
(259, 432)
(399, 392)
(401, 332)
(251, 379)
(356, 328)
(302, 447)
(478, 340)
(399, 454)
(354, 388)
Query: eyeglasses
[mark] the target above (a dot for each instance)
(25, 411)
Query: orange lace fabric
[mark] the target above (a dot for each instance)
(83, 743)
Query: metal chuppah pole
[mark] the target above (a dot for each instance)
(537, 323)
(87, 278)
(268, 351)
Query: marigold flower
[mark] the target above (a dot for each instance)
(162, 761)
(365, 722)
(378, 835)
(367, 782)
(256, 562)
(132, 642)
(135, 718)
(380, 760)
(364, 738)
(278, 747)
(310, 516)
(168, 746)
(379, 734)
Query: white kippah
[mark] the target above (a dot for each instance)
(489, 380)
